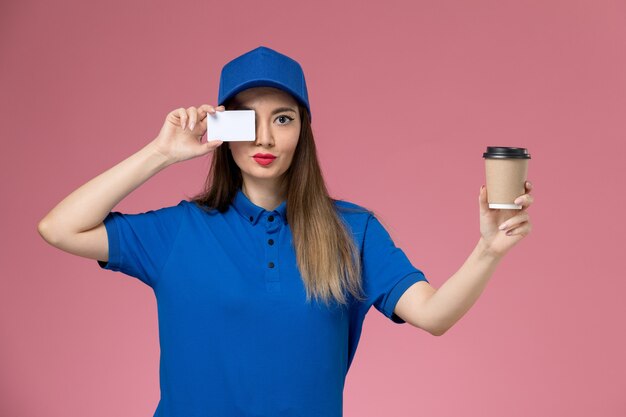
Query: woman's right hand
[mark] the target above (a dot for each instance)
(181, 135)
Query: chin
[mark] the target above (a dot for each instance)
(264, 173)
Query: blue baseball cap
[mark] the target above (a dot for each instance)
(263, 66)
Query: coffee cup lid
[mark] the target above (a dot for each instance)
(502, 152)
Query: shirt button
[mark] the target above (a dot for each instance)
(270, 241)
(271, 264)
(250, 218)
(270, 218)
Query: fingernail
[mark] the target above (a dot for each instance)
(502, 226)
(191, 126)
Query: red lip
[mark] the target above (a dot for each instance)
(264, 155)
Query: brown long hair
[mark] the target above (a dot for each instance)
(327, 256)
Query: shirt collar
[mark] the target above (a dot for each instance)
(251, 212)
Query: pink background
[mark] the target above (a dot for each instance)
(405, 98)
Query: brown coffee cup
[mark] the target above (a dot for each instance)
(506, 169)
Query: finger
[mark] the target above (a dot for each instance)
(524, 200)
(482, 200)
(204, 109)
(193, 117)
(182, 114)
(221, 108)
(528, 185)
(523, 230)
(204, 120)
(514, 221)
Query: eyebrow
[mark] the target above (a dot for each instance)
(276, 110)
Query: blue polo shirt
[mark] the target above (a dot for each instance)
(237, 337)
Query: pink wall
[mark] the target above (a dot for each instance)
(424, 86)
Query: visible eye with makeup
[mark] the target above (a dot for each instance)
(284, 116)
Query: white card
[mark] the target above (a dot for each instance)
(231, 125)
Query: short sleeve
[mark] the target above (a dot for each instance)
(140, 244)
(387, 272)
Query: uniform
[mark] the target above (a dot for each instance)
(236, 335)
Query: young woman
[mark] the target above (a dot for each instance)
(263, 280)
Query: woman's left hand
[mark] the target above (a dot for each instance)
(516, 222)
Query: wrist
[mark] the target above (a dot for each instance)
(160, 159)
(485, 251)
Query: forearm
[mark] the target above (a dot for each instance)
(88, 205)
(457, 295)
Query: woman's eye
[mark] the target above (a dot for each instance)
(284, 117)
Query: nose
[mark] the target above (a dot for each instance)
(263, 134)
